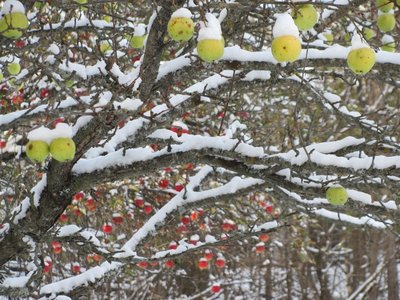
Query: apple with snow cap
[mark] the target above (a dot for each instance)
(337, 195)
(180, 27)
(386, 22)
(368, 33)
(13, 20)
(384, 5)
(138, 38)
(286, 46)
(361, 57)
(388, 43)
(210, 43)
(305, 16)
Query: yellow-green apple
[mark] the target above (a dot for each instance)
(337, 195)
(62, 149)
(37, 150)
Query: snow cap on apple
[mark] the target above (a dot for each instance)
(284, 25)
(180, 26)
(210, 44)
(13, 19)
(286, 46)
(361, 57)
(182, 13)
(140, 30)
(12, 6)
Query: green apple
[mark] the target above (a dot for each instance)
(389, 47)
(328, 38)
(337, 195)
(37, 150)
(305, 16)
(361, 60)
(62, 149)
(108, 19)
(180, 29)
(69, 83)
(210, 49)
(14, 68)
(1, 76)
(386, 22)
(347, 39)
(286, 48)
(137, 42)
(105, 46)
(368, 33)
(384, 5)
(11, 25)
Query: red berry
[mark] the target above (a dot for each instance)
(220, 262)
(216, 288)
(76, 268)
(63, 217)
(107, 228)
(179, 187)
(169, 264)
(203, 263)
(20, 44)
(56, 247)
(90, 204)
(173, 245)
(185, 220)
(264, 237)
(208, 254)
(163, 183)
(148, 208)
(79, 196)
(143, 264)
(117, 219)
(139, 202)
(3, 144)
(17, 99)
(260, 247)
(269, 209)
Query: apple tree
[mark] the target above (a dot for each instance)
(155, 149)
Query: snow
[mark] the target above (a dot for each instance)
(12, 6)
(182, 13)
(42, 133)
(386, 39)
(16, 282)
(83, 279)
(140, 30)
(128, 104)
(284, 25)
(357, 42)
(366, 220)
(211, 30)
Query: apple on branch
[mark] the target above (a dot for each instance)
(286, 46)
(181, 27)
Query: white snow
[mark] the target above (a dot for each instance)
(284, 25)
(12, 6)
(357, 42)
(182, 13)
(210, 30)
(140, 30)
(47, 135)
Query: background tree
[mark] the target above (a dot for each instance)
(204, 179)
